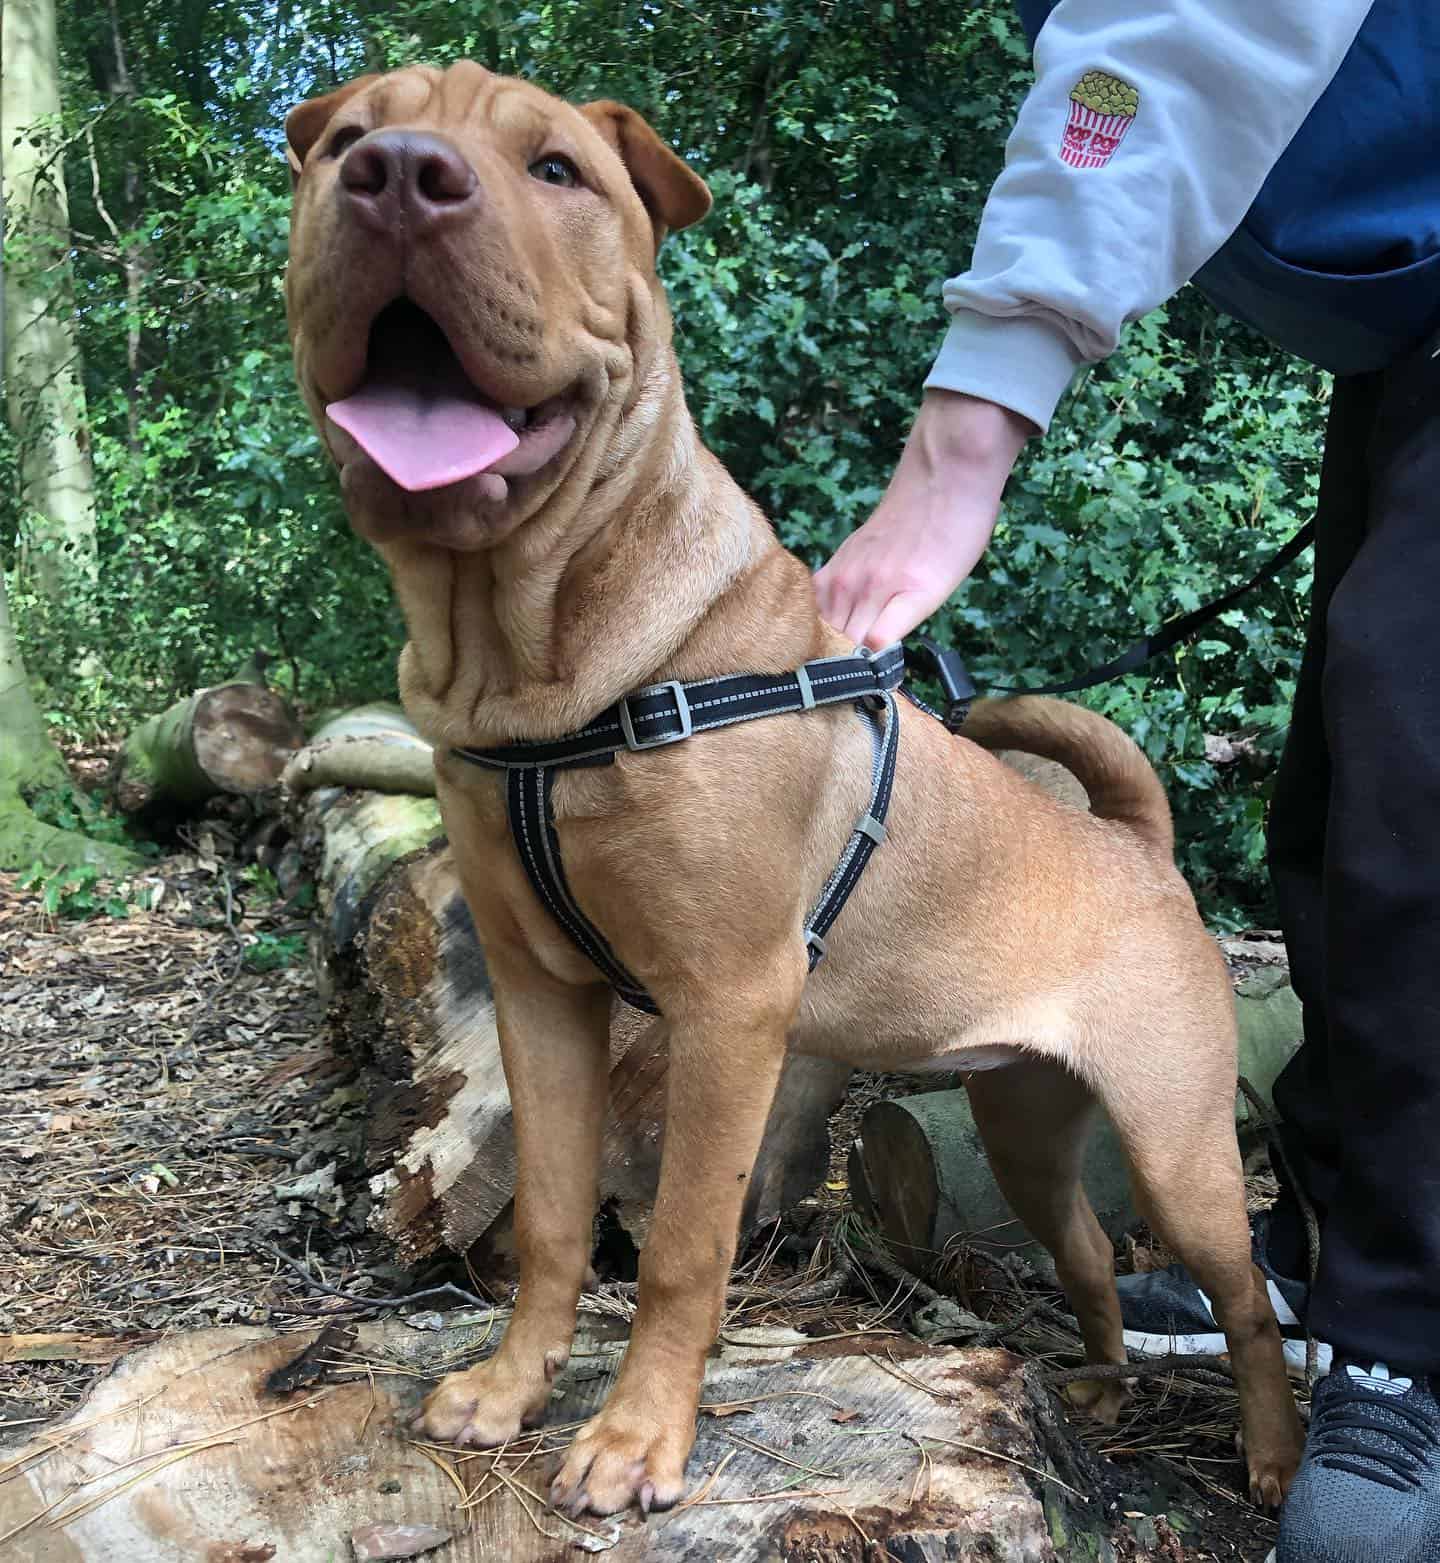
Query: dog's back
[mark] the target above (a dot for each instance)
(1120, 782)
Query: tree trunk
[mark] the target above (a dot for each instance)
(372, 747)
(411, 999)
(28, 762)
(110, 71)
(234, 738)
(45, 397)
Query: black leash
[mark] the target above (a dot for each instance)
(942, 664)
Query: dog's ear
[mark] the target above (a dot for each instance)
(306, 122)
(673, 193)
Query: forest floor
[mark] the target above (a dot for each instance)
(184, 1147)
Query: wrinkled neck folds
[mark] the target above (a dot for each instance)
(531, 637)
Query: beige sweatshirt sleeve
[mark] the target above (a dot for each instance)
(1147, 135)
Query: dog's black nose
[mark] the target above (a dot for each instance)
(392, 177)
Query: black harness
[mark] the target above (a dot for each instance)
(669, 713)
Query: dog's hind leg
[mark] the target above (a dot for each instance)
(554, 1043)
(1174, 1110)
(1034, 1117)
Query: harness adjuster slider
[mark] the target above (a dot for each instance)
(676, 691)
(871, 827)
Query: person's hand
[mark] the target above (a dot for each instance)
(931, 526)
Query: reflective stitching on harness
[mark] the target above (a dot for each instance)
(872, 675)
(536, 877)
(530, 819)
(862, 843)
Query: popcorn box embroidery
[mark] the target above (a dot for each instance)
(1102, 109)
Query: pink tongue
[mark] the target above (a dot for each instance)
(423, 438)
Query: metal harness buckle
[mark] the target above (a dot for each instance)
(682, 711)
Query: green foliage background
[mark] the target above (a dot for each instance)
(849, 146)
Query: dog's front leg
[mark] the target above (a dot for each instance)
(555, 1049)
(724, 1066)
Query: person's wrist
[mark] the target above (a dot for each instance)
(967, 439)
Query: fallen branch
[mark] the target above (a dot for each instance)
(446, 1289)
(1207, 1368)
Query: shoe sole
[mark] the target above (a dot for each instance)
(1147, 1345)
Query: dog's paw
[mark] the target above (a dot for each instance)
(1270, 1480)
(485, 1406)
(1273, 1469)
(622, 1457)
(1102, 1399)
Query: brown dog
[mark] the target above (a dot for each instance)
(473, 268)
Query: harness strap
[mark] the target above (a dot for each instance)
(869, 831)
(667, 713)
(532, 824)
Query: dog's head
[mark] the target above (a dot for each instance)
(472, 294)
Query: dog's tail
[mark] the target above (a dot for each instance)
(1117, 776)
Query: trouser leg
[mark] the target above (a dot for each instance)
(1355, 854)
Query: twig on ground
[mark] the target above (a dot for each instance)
(1213, 1368)
(447, 1289)
(703, 1491)
(777, 1454)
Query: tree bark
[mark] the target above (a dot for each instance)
(410, 998)
(110, 71)
(234, 738)
(45, 397)
(372, 747)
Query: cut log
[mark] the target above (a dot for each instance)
(410, 1000)
(813, 1452)
(371, 747)
(232, 738)
(920, 1174)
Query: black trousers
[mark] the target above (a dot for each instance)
(1355, 859)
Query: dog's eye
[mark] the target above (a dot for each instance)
(555, 170)
(343, 140)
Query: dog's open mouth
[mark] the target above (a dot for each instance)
(423, 421)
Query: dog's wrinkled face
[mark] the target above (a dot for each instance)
(472, 291)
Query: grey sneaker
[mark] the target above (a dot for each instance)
(1164, 1312)
(1368, 1489)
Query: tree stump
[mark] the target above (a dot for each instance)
(833, 1451)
